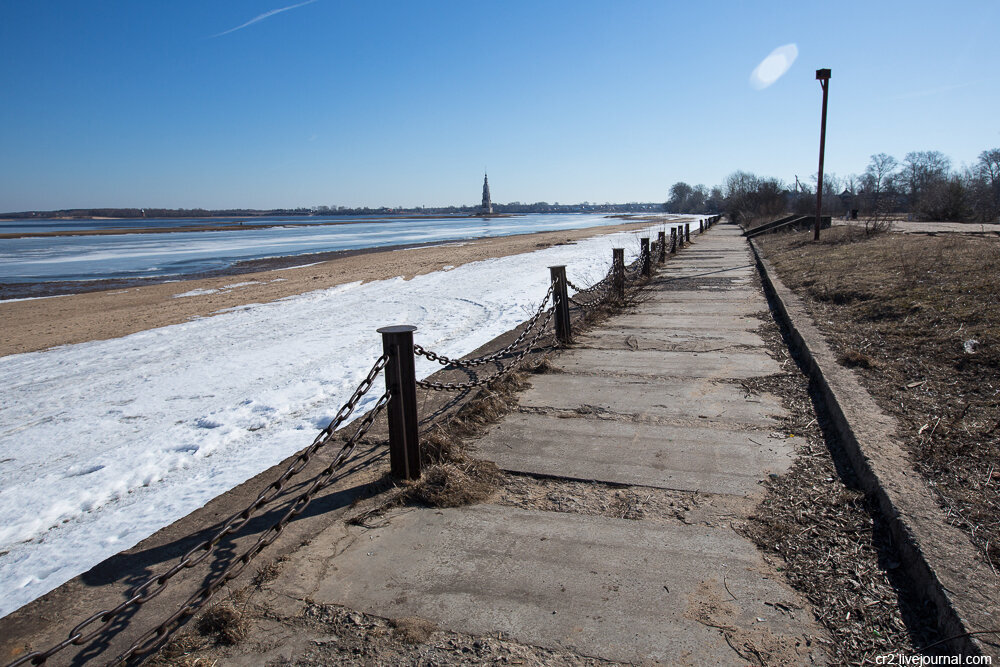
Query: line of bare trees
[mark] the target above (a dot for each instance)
(923, 186)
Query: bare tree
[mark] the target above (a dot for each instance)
(878, 192)
(984, 186)
(922, 171)
(680, 193)
(989, 166)
(750, 197)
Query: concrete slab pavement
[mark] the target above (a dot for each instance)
(620, 590)
(706, 458)
(641, 400)
(644, 399)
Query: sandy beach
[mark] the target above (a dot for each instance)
(38, 324)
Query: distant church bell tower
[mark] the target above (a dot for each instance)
(487, 204)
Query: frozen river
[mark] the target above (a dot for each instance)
(29, 260)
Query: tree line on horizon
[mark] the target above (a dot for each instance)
(512, 207)
(923, 186)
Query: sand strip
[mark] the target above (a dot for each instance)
(37, 324)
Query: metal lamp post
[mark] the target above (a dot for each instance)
(823, 76)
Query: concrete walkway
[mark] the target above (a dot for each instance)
(649, 398)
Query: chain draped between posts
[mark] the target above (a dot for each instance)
(602, 289)
(84, 633)
(514, 363)
(480, 361)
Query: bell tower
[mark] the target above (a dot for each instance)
(487, 204)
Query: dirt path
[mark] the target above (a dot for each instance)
(37, 324)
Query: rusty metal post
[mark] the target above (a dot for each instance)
(401, 383)
(618, 273)
(646, 260)
(673, 240)
(661, 239)
(823, 75)
(564, 332)
(687, 232)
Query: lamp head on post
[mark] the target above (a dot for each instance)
(822, 74)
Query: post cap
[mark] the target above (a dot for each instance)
(397, 328)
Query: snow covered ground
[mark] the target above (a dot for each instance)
(103, 443)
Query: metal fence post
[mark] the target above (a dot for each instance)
(647, 264)
(701, 226)
(401, 383)
(564, 332)
(687, 232)
(618, 273)
(661, 238)
(673, 240)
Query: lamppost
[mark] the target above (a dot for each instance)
(823, 76)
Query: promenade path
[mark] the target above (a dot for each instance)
(649, 398)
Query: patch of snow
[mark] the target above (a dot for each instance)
(33, 298)
(196, 292)
(297, 266)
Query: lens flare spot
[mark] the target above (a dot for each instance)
(773, 66)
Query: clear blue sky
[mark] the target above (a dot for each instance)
(174, 104)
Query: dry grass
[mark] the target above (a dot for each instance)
(830, 550)
(918, 318)
(815, 526)
(225, 623)
(451, 485)
(413, 629)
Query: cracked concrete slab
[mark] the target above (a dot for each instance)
(669, 307)
(644, 399)
(720, 324)
(621, 590)
(644, 338)
(652, 363)
(684, 295)
(709, 459)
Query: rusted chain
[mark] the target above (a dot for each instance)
(602, 288)
(590, 305)
(151, 639)
(155, 585)
(469, 363)
(599, 285)
(461, 386)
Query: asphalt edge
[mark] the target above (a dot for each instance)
(918, 527)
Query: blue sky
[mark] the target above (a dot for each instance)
(197, 104)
